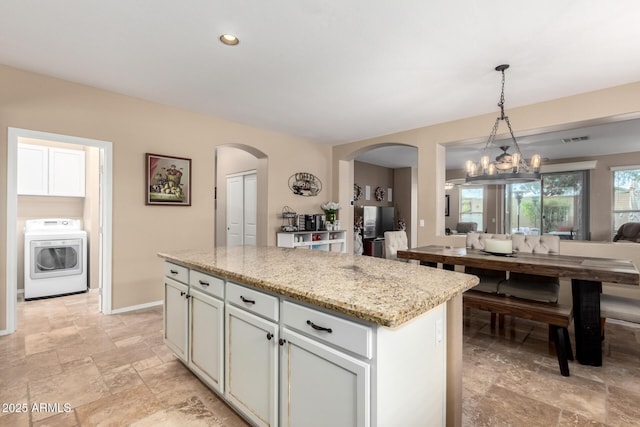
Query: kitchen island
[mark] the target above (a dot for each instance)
(298, 337)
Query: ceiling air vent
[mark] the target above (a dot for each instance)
(574, 139)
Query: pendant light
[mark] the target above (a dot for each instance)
(507, 167)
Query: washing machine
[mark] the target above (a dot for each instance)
(55, 257)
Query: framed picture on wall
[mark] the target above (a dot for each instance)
(446, 205)
(168, 180)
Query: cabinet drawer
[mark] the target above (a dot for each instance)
(252, 300)
(176, 272)
(206, 283)
(331, 329)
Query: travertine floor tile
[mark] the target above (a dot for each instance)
(78, 384)
(119, 409)
(503, 407)
(121, 378)
(66, 419)
(122, 356)
(623, 406)
(190, 412)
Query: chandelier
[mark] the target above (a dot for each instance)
(507, 167)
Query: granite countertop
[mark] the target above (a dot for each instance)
(386, 292)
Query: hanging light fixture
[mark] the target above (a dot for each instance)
(507, 167)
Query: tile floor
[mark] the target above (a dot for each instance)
(512, 379)
(115, 370)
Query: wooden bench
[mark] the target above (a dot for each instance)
(557, 316)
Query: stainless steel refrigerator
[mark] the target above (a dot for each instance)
(377, 220)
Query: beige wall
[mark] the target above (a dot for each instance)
(402, 197)
(374, 176)
(135, 127)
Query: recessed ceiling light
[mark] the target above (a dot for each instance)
(229, 39)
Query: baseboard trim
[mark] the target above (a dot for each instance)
(136, 307)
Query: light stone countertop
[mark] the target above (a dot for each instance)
(388, 293)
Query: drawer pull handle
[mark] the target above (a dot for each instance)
(282, 341)
(188, 296)
(173, 271)
(269, 336)
(318, 328)
(182, 293)
(247, 301)
(203, 283)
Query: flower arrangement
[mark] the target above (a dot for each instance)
(330, 209)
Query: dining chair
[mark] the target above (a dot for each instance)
(489, 279)
(533, 286)
(395, 241)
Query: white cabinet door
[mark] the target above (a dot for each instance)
(33, 170)
(206, 338)
(49, 171)
(175, 317)
(322, 386)
(252, 366)
(66, 172)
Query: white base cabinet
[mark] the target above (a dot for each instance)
(206, 338)
(176, 317)
(321, 386)
(282, 363)
(252, 366)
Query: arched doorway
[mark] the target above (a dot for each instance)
(392, 169)
(244, 169)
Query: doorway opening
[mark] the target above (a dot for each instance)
(97, 203)
(380, 177)
(241, 210)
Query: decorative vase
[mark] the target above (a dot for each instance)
(330, 215)
(358, 247)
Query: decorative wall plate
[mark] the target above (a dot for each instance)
(357, 192)
(379, 194)
(305, 184)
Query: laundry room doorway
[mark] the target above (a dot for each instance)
(37, 192)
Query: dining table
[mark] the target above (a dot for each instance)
(586, 273)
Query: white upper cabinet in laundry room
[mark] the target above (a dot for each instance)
(50, 171)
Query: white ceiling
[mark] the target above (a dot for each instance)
(331, 71)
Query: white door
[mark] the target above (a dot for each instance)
(321, 386)
(252, 366)
(206, 356)
(242, 202)
(250, 209)
(235, 211)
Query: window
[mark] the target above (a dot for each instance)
(626, 197)
(471, 205)
(558, 204)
